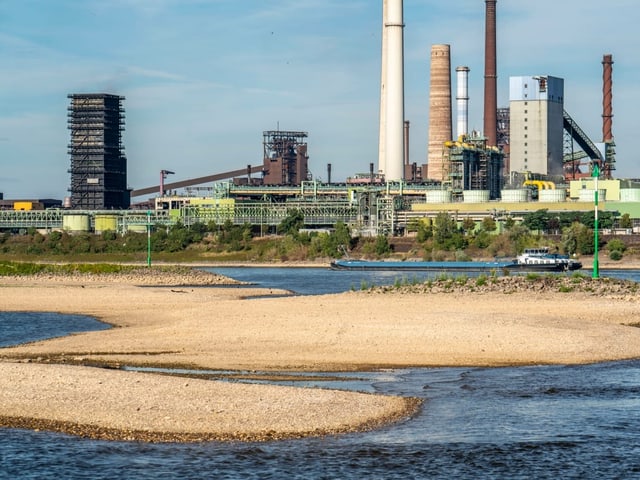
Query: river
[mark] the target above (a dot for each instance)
(525, 422)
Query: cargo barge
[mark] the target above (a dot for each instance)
(531, 260)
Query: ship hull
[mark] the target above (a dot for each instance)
(451, 266)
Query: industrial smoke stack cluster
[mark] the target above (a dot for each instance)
(392, 154)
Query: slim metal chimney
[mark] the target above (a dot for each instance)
(392, 94)
(439, 109)
(329, 173)
(462, 101)
(490, 76)
(607, 98)
(407, 126)
(607, 116)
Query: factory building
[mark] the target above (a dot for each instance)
(536, 124)
(25, 205)
(98, 165)
(473, 168)
(285, 158)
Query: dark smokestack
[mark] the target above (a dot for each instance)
(490, 76)
(607, 98)
(406, 142)
(329, 173)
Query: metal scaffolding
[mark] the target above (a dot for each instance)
(504, 126)
(98, 165)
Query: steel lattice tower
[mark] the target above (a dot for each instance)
(98, 164)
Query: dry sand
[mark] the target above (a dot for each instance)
(216, 328)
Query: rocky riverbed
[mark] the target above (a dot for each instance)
(533, 283)
(154, 276)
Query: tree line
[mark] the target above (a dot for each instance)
(441, 238)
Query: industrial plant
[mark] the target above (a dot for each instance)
(531, 155)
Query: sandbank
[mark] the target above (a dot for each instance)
(55, 384)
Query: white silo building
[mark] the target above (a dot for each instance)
(536, 124)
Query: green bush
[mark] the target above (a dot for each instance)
(18, 268)
(615, 244)
(615, 255)
(29, 268)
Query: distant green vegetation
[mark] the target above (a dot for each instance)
(442, 238)
(29, 268)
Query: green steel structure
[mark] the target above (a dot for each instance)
(254, 213)
(317, 191)
(367, 210)
(41, 219)
(49, 220)
(315, 213)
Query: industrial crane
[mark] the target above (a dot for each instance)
(163, 177)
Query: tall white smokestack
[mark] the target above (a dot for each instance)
(382, 145)
(393, 70)
(462, 101)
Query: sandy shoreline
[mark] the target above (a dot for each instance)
(215, 328)
(117, 405)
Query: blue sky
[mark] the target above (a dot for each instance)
(204, 78)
